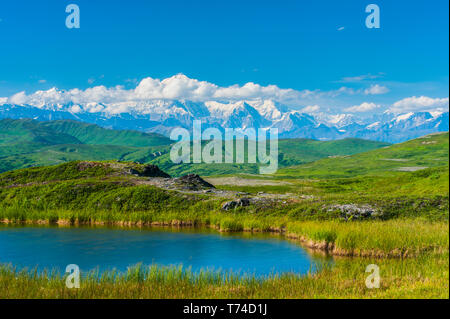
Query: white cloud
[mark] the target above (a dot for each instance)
(310, 109)
(363, 107)
(42, 81)
(93, 79)
(376, 89)
(372, 90)
(3, 100)
(345, 90)
(178, 87)
(363, 77)
(75, 109)
(341, 28)
(133, 81)
(420, 104)
(18, 98)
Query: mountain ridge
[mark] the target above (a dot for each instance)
(161, 116)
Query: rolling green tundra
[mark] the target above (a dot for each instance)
(121, 192)
(414, 155)
(29, 143)
(385, 204)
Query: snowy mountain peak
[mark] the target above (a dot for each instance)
(162, 115)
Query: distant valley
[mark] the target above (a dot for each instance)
(28, 143)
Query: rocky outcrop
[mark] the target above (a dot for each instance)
(353, 211)
(149, 171)
(193, 182)
(241, 202)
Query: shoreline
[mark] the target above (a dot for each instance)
(328, 248)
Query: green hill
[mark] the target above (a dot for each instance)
(377, 179)
(23, 136)
(94, 134)
(415, 155)
(29, 143)
(291, 152)
(56, 154)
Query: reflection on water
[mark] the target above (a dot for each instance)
(112, 247)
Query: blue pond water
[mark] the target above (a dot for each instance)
(108, 248)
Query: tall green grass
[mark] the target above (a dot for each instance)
(423, 277)
(396, 236)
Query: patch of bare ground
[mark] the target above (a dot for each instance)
(27, 184)
(237, 181)
(395, 159)
(411, 168)
(261, 199)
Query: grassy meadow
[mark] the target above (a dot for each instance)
(406, 184)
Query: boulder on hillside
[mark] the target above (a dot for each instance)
(150, 171)
(353, 211)
(241, 202)
(193, 182)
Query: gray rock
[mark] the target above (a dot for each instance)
(241, 202)
(229, 205)
(149, 171)
(353, 211)
(193, 182)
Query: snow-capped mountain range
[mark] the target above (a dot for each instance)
(162, 115)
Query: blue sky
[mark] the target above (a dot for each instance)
(302, 45)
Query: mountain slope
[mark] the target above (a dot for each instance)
(395, 129)
(57, 154)
(291, 152)
(415, 155)
(72, 140)
(26, 143)
(94, 134)
(23, 131)
(23, 136)
(162, 116)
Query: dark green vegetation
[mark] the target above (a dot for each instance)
(96, 135)
(29, 143)
(71, 132)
